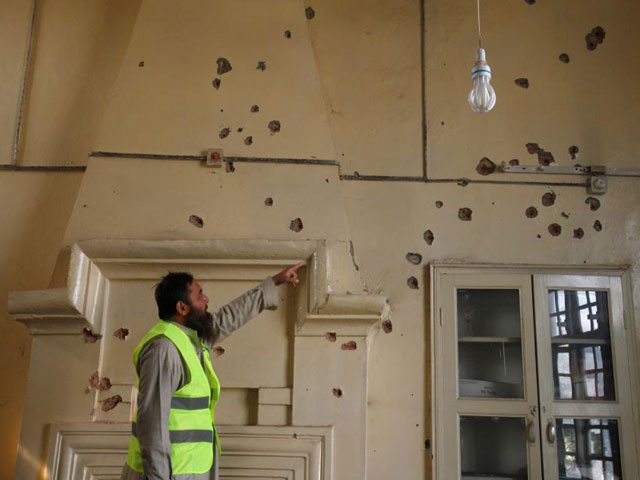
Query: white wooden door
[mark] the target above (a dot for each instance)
(586, 410)
(485, 377)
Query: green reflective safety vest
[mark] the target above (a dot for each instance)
(191, 419)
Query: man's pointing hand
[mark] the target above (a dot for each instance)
(288, 275)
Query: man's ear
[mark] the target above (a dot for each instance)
(182, 308)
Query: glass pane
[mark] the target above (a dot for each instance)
(588, 448)
(489, 343)
(581, 345)
(493, 447)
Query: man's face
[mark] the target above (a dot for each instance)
(197, 299)
(198, 317)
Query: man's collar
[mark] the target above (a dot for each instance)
(191, 333)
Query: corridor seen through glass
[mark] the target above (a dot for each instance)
(581, 345)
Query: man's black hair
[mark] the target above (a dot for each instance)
(173, 288)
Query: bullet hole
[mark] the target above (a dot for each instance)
(464, 214)
(121, 333)
(593, 203)
(555, 229)
(326, 180)
(597, 226)
(594, 38)
(414, 258)
(387, 326)
(262, 66)
(545, 158)
(216, 83)
(268, 202)
(88, 336)
(356, 173)
(224, 66)
(578, 233)
(141, 64)
(104, 384)
(296, 225)
(84, 206)
(218, 351)
(530, 2)
(427, 443)
(413, 283)
(331, 336)
(439, 204)
(248, 140)
(539, 236)
(442, 123)
(463, 182)
(522, 82)
(287, 34)
(224, 133)
(295, 436)
(564, 57)
(228, 166)
(111, 403)
(337, 392)
(274, 126)
(197, 221)
(429, 237)
(531, 212)
(94, 379)
(309, 12)
(255, 108)
(573, 151)
(565, 214)
(240, 129)
(351, 345)
(485, 167)
(514, 163)
(532, 148)
(548, 199)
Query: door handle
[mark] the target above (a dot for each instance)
(531, 432)
(551, 432)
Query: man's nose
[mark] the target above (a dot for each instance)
(206, 299)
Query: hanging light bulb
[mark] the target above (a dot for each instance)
(482, 96)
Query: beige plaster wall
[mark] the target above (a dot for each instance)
(346, 86)
(36, 208)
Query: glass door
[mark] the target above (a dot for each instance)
(487, 372)
(585, 397)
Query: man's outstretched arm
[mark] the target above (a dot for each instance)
(239, 311)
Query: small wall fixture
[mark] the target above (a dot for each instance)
(482, 96)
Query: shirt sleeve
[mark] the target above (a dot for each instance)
(239, 311)
(161, 373)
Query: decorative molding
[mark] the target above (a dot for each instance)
(98, 451)
(93, 264)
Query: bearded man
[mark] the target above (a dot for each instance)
(173, 431)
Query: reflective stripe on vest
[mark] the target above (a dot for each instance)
(190, 423)
(183, 436)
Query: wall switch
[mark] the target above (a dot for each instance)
(215, 157)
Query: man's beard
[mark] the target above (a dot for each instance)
(201, 322)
